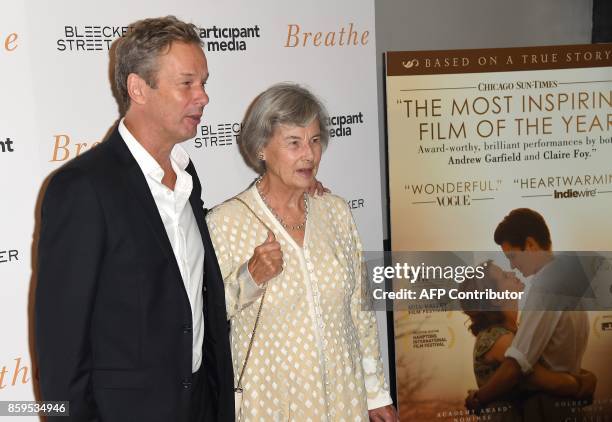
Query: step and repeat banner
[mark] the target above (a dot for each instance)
(56, 103)
(474, 134)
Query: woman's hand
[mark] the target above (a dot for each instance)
(267, 260)
(384, 414)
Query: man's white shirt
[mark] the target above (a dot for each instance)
(180, 224)
(556, 338)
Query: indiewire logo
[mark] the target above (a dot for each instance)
(572, 193)
(7, 145)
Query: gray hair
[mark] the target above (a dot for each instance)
(137, 52)
(281, 104)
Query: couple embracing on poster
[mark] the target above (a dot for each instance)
(530, 370)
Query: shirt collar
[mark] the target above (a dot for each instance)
(146, 162)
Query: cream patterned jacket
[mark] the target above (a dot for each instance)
(316, 354)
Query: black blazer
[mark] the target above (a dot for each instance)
(113, 320)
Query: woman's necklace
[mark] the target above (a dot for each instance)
(278, 217)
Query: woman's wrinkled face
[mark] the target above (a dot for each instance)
(292, 155)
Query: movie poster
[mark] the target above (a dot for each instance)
(474, 134)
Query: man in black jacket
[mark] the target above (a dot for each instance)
(130, 309)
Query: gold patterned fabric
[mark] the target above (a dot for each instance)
(316, 353)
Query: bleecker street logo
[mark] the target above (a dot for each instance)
(89, 37)
(356, 203)
(9, 255)
(101, 37)
(7, 145)
(219, 135)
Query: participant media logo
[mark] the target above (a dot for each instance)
(7, 145)
(344, 124)
(88, 38)
(226, 39)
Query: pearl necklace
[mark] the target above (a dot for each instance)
(278, 217)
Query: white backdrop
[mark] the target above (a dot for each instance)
(55, 93)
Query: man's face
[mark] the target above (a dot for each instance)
(174, 108)
(523, 259)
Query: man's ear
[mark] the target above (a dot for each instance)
(532, 245)
(137, 88)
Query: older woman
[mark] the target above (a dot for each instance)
(315, 353)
